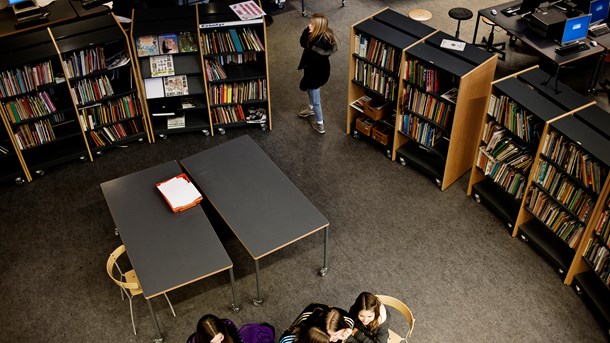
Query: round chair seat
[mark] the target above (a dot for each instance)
(460, 13)
(420, 14)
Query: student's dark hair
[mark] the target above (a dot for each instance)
(312, 335)
(328, 321)
(208, 327)
(368, 302)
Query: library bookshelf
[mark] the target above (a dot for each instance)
(434, 93)
(65, 96)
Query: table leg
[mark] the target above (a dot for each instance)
(324, 269)
(476, 29)
(258, 301)
(303, 8)
(154, 317)
(234, 305)
(598, 68)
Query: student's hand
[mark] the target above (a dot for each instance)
(346, 334)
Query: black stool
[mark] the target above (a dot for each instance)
(459, 14)
(488, 43)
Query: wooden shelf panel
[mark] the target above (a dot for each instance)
(529, 99)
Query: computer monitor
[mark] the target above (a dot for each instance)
(575, 29)
(529, 6)
(20, 4)
(599, 10)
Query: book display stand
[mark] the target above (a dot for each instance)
(432, 91)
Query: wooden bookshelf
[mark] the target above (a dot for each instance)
(435, 134)
(235, 67)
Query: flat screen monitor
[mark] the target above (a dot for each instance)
(575, 29)
(21, 4)
(599, 10)
(529, 6)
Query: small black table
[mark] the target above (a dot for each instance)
(167, 250)
(260, 204)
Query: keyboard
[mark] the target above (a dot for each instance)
(599, 30)
(87, 4)
(571, 49)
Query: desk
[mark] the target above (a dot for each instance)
(59, 11)
(517, 27)
(264, 209)
(167, 250)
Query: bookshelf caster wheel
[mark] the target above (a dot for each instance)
(39, 172)
(263, 127)
(356, 134)
(477, 198)
(578, 289)
(257, 302)
(403, 162)
(388, 153)
(323, 272)
(343, 3)
(234, 308)
(19, 181)
(561, 271)
(83, 158)
(206, 132)
(116, 231)
(304, 13)
(222, 131)
(523, 238)
(99, 153)
(438, 182)
(140, 140)
(163, 136)
(510, 225)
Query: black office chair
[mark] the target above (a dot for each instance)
(459, 14)
(488, 43)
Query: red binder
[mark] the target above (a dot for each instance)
(179, 193)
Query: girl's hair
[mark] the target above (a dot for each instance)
(327, 321)
(320, 29)
(368, 302)
(313, 335)
(208, 327)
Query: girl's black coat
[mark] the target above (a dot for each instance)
(314, 61)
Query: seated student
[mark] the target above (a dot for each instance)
(211, 329)
(332, 321)
(372, 321)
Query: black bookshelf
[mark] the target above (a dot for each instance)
(548, 245)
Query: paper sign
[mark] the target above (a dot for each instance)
(453, 45)
(247, 10)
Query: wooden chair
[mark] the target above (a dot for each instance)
(406, 312)
(128, 281)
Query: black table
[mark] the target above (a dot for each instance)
(167, 250)
(264, 209)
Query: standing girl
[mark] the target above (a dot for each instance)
(372, 321)
(318, 42)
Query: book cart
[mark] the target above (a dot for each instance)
(441, 105)
(376, 49)
(97, 64)
(236, 67)
(168, 60)
(39, 117)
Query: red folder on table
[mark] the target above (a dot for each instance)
(179, 193)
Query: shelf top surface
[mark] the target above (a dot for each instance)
(557, 91)
(597, 118)
(529, 99)
(440, 58)
(91, 26)
(71, 43)
(163, 20)
(385, 33)
(23, 41)
(586, 137)
(471, 53)
(403, 23)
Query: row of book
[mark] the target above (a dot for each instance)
(596, 253)
(515, 118)
(376, 79)
(511, 179)
(114, 110)
(574, 198)
(231, 41)
(555, 218)
(33, 134)
(238, 92)
(376, 51)
(575, 161)
(246, 57)
(84, 62)
(503, 148)
(427, 105)
(167, 43)
(25, 79)
(422, 76)
(29, 106)
(603, 226)
(228, 114)
(89, 90)
(421, 131)
(108, 135)
(214, 70)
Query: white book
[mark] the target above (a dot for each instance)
(154, 88)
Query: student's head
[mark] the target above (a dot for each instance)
(318, 24)
(333, 323)
(313, 335)
(210, 329)
(366, 309)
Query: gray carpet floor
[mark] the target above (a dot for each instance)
(392, 230)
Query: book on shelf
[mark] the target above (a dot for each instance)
(162, 65)
(168, 43)
(177, 121)
(147, 45)
(187, 42)
(187, 102)
(175, 85)
(3, 150)
(451, 95)
(154, 88)
(179, 193)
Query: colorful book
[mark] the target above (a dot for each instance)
(147, 45)
(187, 42)
(168, 43)
(175, 85)
(162, 65)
